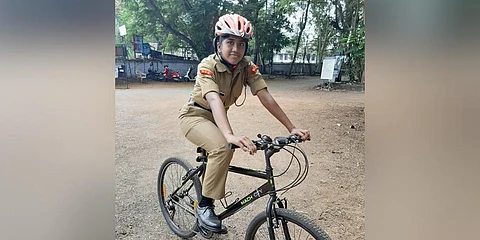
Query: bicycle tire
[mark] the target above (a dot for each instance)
(291, 218)
(184, 201)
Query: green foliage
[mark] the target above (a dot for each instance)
(190, 23)
(353, 45)
(270, 34)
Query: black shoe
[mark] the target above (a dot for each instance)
(208, 219)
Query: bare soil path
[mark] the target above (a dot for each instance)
(333, 194)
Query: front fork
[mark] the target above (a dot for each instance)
(272, 219)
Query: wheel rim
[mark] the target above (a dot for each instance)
(179, 208)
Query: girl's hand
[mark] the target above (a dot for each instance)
(243, 142)
(304, 134)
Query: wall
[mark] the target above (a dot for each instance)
(131, 66)
(284, 68)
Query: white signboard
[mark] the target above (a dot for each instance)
(123, 30)
(327, 69)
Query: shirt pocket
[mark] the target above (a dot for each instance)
(224, 90)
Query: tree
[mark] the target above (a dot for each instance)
(268, 19)
(189, 21)
(251, 10)
(338, 24)
(355, 49)
(321, 21)
(349, 22)
(303, 23)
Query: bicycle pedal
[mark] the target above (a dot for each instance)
(224, 230)
(206, 230)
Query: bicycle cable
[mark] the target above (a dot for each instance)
(288, 167)
(292, 183)
(302, 173)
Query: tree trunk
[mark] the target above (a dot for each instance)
(363, 77)
(271, 65)
(263, 62)
(257, 51)
(303, 22)
(318, 60)
(304, 55)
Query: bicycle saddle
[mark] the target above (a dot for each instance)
(203, 155)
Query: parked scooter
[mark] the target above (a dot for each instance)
(188, 76)
(170, 75)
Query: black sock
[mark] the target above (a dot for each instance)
(205, 202)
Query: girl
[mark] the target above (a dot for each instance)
(203, 120)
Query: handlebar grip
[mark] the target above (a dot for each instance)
(232, 146)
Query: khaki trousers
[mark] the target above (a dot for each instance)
(204, 133)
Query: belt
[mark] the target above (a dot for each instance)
(198, 105)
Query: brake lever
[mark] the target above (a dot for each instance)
(297, 139)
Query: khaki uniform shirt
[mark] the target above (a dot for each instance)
(214, 76)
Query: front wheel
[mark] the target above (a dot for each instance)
(177, 201)
(291, 225)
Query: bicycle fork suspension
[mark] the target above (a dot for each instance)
(272, 219)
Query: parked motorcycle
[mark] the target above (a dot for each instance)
(154, 74)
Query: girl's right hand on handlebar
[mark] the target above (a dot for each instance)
(243, 142)
(304, 134)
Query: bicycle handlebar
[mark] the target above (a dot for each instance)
(266, 142)
(278, 143)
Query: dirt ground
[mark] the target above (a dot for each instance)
(333, 195)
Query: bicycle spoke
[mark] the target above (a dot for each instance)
(179, 205)
(290, 231)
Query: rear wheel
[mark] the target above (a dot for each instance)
(178, 208)
(291, 225)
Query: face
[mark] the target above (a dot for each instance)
(232, 49)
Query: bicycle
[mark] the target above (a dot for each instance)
(180, 197)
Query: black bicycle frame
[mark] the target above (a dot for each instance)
(266, 188)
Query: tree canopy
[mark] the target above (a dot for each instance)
(313, 27)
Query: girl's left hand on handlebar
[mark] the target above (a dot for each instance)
(243, 142)
(304, 134)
